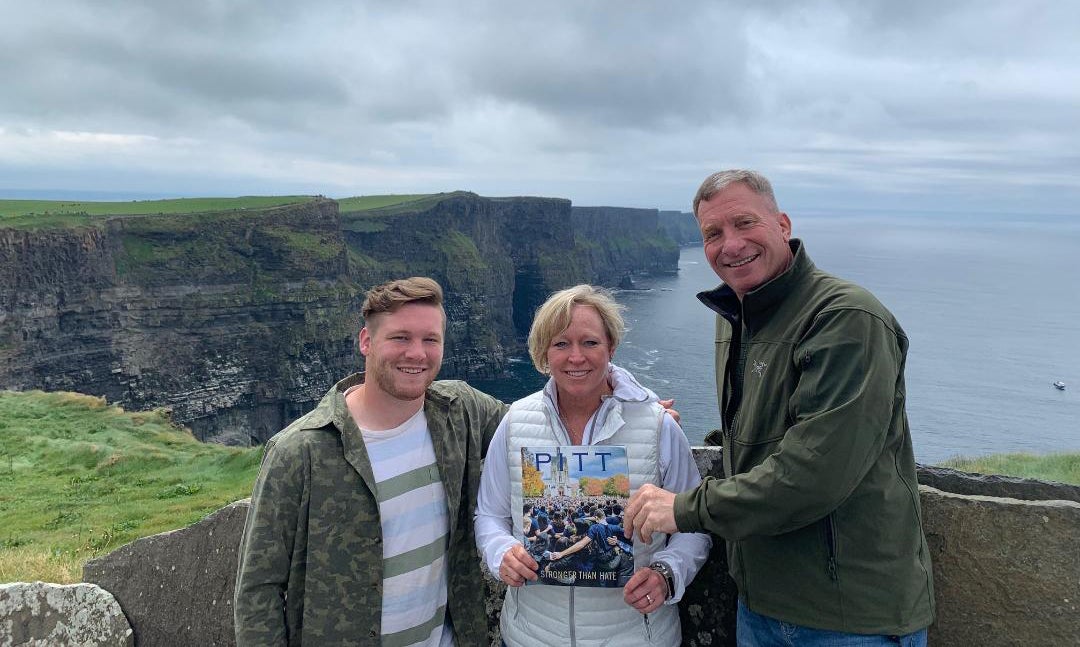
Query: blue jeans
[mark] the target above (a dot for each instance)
(755, 630)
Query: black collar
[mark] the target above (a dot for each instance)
(759, 302)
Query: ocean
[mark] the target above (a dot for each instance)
(991, 306)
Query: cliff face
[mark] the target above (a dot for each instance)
(232, 320)
(681, 226)
(239, 321)
(620, 242)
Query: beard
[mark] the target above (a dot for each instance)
(399, 385)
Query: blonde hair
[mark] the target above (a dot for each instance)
(554, 316)
(390, 296)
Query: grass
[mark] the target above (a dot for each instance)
(32, 214)
(79, 478)
(1061, 467)
(367, 202)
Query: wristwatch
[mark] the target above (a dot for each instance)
(669, 577)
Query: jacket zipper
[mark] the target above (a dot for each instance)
(830, 544)
(648, 629)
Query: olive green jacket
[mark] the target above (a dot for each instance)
(310, 569)
(821, 507)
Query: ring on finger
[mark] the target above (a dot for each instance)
(648, 597)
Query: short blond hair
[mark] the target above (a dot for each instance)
(554, 316)
(390, 296)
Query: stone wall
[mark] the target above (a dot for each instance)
(1006, 572)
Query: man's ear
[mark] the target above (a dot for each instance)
(785, 225)
(365, 341)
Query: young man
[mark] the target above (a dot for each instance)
(360, 529)
(820, 507)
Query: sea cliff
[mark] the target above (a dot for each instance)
(238, 320)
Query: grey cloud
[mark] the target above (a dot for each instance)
(634, 101)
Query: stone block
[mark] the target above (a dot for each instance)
(176, 588)
(43, 615)
(957, 482)
(1005, 571)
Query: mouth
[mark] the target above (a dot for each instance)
(576, 373)
(411, 370)
(743, 261)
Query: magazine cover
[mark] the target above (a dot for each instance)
(572, 525)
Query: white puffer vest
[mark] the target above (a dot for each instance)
(570, 616)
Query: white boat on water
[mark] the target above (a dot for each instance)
(1059, 385)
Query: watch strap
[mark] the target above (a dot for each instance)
(669, 577)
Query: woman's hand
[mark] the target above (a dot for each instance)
(517, 566)
(646, 590)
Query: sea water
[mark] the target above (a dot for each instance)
(991, 306)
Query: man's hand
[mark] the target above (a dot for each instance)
(517, 566)
(669, 408)
(651, 509)
(646, 590)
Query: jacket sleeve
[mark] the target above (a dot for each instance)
(266, 549)
(685, 552)
(490, 412)
(841, 411)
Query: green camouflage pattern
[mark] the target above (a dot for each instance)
(310, 567)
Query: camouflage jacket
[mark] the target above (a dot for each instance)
(310, 567)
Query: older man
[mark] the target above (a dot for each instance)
(820, 507)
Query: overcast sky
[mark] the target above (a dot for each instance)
(958, 106)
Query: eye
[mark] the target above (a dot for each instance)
(591, 343)
(559, 344)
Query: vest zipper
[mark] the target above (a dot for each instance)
(648, 629)
(573, 634)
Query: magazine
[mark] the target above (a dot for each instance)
(572, 524)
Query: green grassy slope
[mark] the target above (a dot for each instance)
(29, 214)
(1061, 467)
(368, 202)
(79, 478)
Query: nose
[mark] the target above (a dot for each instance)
(415, 350)
(577, 353)
(733, 244)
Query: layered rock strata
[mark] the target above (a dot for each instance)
(239, 321)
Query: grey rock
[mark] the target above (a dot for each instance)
(1005, 571)
(176, 588)
(39, 614)
(957, 482)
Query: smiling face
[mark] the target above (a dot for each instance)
(403, 350)
(578, 356)
(745, 237)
